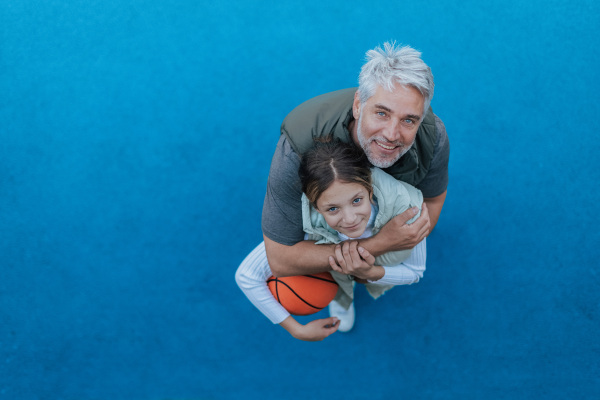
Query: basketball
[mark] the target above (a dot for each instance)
(304, 294)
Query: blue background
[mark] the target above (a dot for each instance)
(135, 142)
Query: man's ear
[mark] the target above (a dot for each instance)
(356, 106)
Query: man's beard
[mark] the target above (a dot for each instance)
(379, 162)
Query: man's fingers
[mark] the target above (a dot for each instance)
(407, 215)
(424, 223)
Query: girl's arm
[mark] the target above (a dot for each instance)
(251, 276)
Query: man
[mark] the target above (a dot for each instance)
(390, 119)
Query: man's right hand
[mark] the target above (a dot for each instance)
(398, 235)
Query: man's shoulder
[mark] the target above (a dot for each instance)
(285, 162)
(321, 115)
(441, 134)
(321, 104)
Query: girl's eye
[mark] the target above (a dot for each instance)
(357, 200)
(332, 209)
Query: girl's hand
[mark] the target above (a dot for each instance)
(352, 259)
(318, 329)
(314, 331)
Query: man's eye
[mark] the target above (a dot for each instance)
(381, 113)
(409, 121)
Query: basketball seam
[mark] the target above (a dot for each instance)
(292, 290)
(276, 288)
(322, 279)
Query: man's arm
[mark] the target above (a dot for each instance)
(302, 258)
(306, 257)
(434, 206)
(287, 253)
(437, 176)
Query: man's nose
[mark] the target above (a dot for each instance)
(393, 132)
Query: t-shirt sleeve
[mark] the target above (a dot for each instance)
(436, 181)
(282, 208)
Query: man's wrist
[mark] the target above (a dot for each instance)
(374, 245)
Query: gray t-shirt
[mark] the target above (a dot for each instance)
(282, 209)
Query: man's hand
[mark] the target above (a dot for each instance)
(352, 259)
(398, 235)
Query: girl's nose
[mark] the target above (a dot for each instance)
(348, 216)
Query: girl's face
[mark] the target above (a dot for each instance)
(346, 207)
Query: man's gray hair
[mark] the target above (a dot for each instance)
(394, 64)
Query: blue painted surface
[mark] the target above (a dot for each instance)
(135, 144)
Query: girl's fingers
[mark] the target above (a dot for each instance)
(356, 259)
(346, 252)
(340, 258)
(351, 256)
(368, 257)
(334, 266)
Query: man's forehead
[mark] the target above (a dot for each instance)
(402, 99)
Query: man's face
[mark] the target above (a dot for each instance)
(387, 123)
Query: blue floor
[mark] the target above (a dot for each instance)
(135, 144)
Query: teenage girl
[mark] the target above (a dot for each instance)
(344, 200)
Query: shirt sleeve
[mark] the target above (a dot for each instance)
(251, 277)
(407, 272)
(282, 208)
(436, 181)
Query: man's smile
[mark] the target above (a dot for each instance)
(383, 146)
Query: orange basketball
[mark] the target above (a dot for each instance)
(304, 294)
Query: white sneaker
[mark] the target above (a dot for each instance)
(346, 317)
